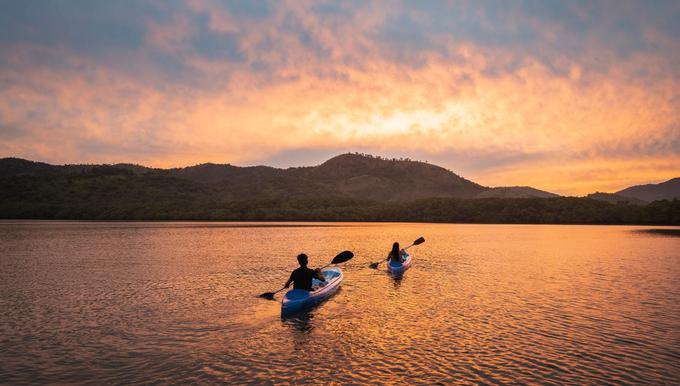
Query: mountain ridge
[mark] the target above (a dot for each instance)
(352, 175)
(666, 190)
(615, 198)
(515, 192)
(349, 188)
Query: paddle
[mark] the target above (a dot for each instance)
(340, 258)
(417, 242)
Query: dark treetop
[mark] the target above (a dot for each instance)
(349, 187)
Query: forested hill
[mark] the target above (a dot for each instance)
(349, 187)
(347, 175)
(651, 192)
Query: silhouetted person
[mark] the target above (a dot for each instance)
(396, 254)
(302, 277)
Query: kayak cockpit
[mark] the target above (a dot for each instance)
(296, 295)
(400, 267)
(328, 275)
(298, 299)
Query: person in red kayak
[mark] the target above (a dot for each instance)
(303, 276)
(396, 254)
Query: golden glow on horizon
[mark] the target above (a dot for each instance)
(574, 133)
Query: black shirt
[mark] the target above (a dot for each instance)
(302, 278)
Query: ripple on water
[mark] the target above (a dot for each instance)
(168, 303)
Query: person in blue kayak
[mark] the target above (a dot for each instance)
(303, 276)
(396, 254)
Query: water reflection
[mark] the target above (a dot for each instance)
(301, 321)
(168, 303)
(662, 232)
(396, 279)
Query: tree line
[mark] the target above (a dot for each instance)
(108, 194)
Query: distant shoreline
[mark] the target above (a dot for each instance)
(349, 188)
(663, 231)
(670, 229)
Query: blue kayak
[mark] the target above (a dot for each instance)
(396, 268)
(298, 300)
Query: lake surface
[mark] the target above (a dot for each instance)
(175, 303)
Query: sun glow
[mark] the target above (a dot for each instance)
(211, 86)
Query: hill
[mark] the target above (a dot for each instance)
(17, 166)
(350, 187)
(374, 178)
(615, 198)
(347, 175)
(651, 192)
(515, 192)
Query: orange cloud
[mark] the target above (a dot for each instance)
(568, 124)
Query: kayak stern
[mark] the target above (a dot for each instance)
(399, 268)
(298, 300)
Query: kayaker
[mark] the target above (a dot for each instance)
(303, 276)
(396, 254)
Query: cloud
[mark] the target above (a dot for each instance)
(555, 94)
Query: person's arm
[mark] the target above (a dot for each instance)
(319, 274)
(290, 280)
(388, 256)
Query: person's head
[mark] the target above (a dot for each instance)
(302, 259)
(395, 249)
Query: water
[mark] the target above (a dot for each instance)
(175, 303)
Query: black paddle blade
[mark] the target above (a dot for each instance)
(268, 295)
(419, 241)
(374, 265)
(342, 257)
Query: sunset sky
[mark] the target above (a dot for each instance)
(569, 96)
